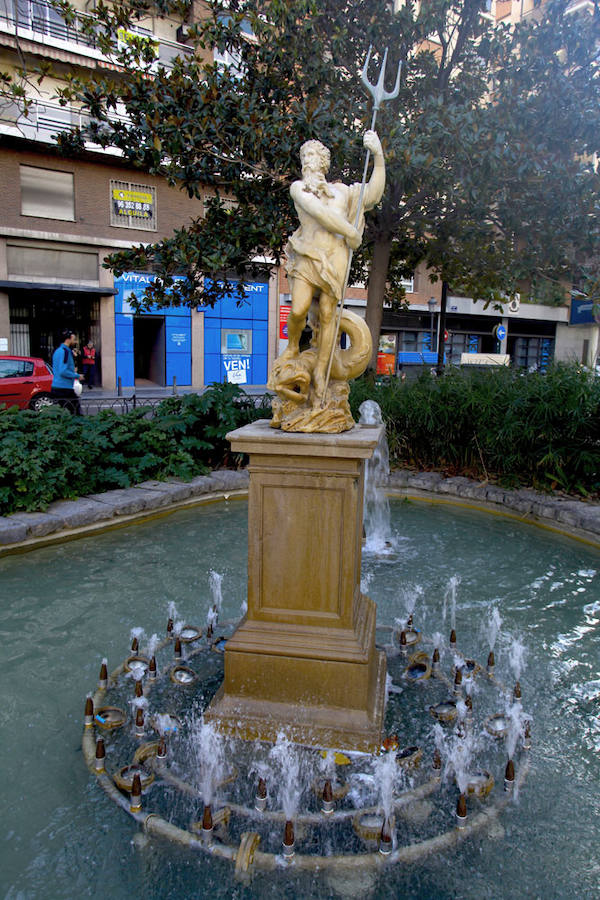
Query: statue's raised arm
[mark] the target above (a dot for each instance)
(376, 186)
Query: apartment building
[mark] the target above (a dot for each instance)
(62, 217)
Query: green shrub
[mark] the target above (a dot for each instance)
(53, 455)
(540, 429)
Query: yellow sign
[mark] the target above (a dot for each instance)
(126, 37)
(132, 203)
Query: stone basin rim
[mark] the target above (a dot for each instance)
(575, 519)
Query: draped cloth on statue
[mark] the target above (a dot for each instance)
(324, 266)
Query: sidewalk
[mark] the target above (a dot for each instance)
(157, 392)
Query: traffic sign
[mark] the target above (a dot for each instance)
(500, 332)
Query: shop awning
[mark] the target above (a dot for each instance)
(45, 286)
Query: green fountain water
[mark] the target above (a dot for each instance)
(66, 607)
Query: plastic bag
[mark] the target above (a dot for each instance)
(77, 387)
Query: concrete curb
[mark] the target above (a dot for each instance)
(71, 518)
(578, 518)
(67, 519)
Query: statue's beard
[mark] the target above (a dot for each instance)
(315, 183)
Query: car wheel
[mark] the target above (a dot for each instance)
(40, 401)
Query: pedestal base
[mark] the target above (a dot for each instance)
(304, 658)
(314, 726)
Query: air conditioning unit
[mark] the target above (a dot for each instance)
(514, 304)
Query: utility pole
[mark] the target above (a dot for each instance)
(442, 329)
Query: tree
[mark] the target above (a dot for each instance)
(490, 145)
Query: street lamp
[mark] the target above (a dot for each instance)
(431, 303)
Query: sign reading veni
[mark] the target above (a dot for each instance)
(237, 369)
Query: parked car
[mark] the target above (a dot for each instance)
(25, 382)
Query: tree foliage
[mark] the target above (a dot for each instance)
(489, 147)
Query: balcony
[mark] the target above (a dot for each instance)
(39, 22)
(44, 120)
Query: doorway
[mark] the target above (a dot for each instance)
(149, 350)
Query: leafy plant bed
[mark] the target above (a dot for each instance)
(503, 425)
(53, 455)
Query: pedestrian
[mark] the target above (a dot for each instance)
(89, 364)
(64, 375)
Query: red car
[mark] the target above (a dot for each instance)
(25, 382)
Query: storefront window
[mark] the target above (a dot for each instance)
(533, 353)
(236, 340)
(458, 343)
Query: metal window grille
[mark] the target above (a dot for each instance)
(132, 206)
(19, 339)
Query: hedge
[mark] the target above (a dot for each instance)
(51, 454)
(516, 427)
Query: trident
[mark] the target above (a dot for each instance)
(379, 94)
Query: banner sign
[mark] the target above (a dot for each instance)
(132, 285)
(385, 363)
(129, 40)
(284, 314)
(237, 369)
(584, 312)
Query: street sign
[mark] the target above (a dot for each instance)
(500, 332)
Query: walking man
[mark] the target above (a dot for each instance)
(64, 374)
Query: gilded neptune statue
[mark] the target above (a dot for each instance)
(312, 385)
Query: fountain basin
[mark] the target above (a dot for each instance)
(556, 622)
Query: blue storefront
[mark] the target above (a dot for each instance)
(153, 346)
(236, 337)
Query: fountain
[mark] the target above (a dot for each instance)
(304, 689)
(305, 737)
(292, 801)
(556, 619)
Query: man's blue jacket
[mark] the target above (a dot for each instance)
(63, 368)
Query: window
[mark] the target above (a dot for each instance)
(47, 194)
(236, 341)
(36, 15)
(228, 204)
(15, 368)
(533, 353)
(226, 59)
(408, 284)
(459, 343)
(408, 341)
(132, 206)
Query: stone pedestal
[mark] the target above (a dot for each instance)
(304, 658)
